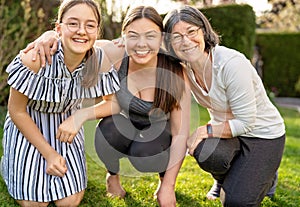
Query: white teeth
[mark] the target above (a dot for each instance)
(189, 50)
(80, 40)
(142, 52)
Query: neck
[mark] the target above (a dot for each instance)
(72, 61)
(134, 66)
(203, 71)
(202, 63)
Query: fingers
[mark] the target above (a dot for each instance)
(42, 55)
(47, 52)
(119, 42)
(53, 48)
(59, 168)
(116, 41)
(65, 137)
(32, 46)
(67, 130)
(28, 47)
(44, 49)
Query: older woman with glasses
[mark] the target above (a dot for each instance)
(242, 145)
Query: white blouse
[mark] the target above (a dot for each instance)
(237, 94)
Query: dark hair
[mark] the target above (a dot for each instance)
(92, 59)
(170, 84)
(169, 75)
(190, 15)
(67, 4)
(140, 12)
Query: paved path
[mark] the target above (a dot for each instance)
(293, 103)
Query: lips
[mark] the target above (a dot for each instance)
(190, 50)
(80, 40)
(142, 52)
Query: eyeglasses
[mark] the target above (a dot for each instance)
(177, 38)
(90, 28)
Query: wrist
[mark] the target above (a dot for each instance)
(81, 116)
(209, 130)
(48, 152)
(168, 182)
(167, 185)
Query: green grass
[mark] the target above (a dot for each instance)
(192, 182)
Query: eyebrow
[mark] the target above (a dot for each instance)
(74, 18)
(151, 31)
(187, 29)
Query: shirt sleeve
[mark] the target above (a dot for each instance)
(240, 93)
(31, 84)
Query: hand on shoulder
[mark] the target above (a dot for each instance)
(113, 52)
(26, 59)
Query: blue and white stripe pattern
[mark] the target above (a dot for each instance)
(54, 94)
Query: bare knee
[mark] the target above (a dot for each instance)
(24, 203)
(70, 201)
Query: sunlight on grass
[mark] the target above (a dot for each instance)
(192, 182)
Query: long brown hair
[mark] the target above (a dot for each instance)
(169, 74)
(169, 83)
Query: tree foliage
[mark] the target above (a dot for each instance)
(284, 16)
(19, 23)
(23, 21)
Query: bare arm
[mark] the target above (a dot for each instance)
(17, 103)
(180, 123)
(113, 52)
(56, 164)
(70, 127)
(46, 45)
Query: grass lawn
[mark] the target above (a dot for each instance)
(192, 182)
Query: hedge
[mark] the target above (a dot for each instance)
(281, 62)
(236, 25)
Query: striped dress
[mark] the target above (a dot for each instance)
(54, 94)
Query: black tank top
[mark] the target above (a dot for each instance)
(133, 107)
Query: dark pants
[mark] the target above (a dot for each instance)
(246, 167)
(147, 148)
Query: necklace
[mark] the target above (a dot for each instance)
(203, 73)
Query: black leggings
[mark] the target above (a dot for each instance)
(147, 149)
(245, 166)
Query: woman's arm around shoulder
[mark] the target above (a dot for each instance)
(26, 59)
(113, 52)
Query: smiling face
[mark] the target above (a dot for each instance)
(192, 45)
(142, 41)
(78, 41)
(184, 21)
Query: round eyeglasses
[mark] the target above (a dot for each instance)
(90, 28)
(177, 37)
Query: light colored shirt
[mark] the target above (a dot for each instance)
(237, 94)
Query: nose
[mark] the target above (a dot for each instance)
(81, 29)
(185, 39)
(142, 41)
